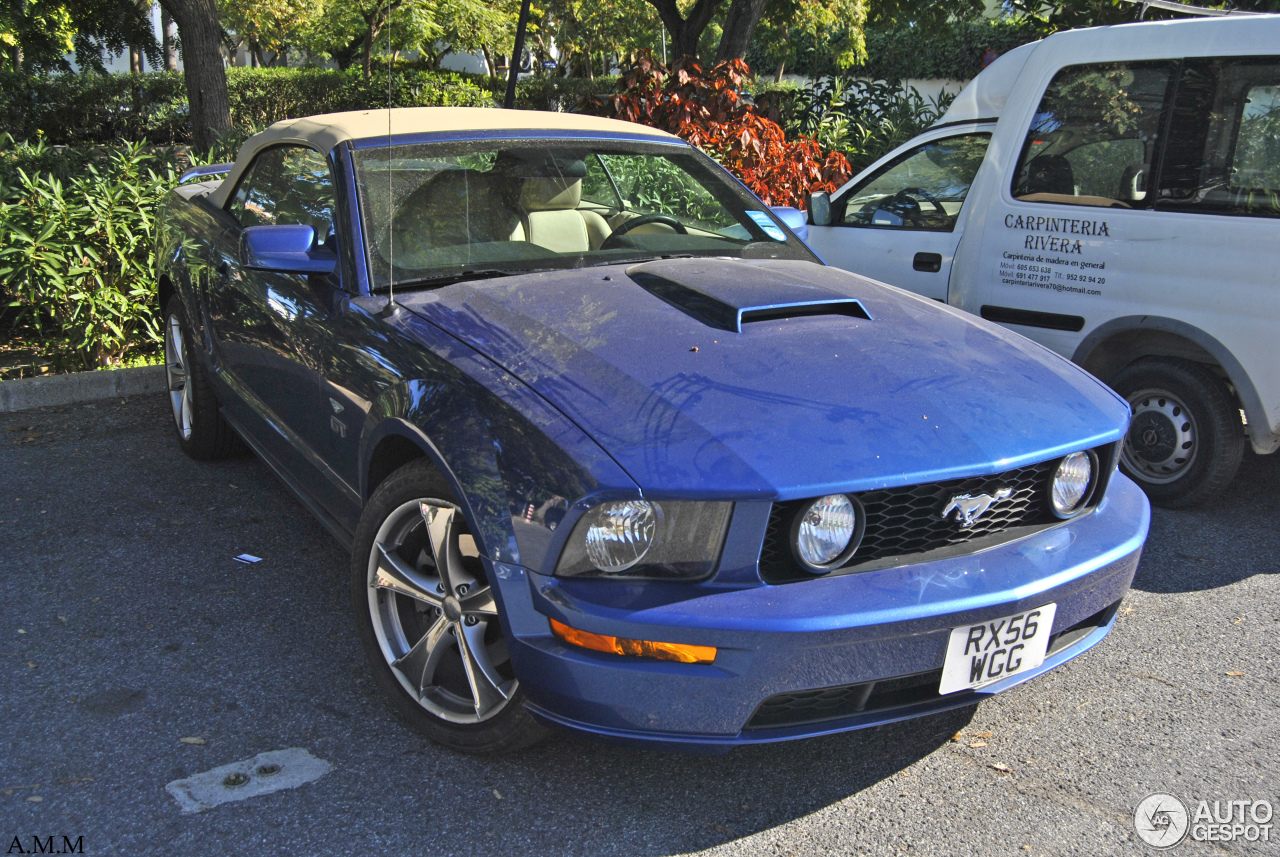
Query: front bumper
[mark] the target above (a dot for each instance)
(832, 632)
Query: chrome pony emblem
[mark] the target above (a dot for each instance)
(970, 507)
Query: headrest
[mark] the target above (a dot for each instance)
(540, 164)
(551, 194)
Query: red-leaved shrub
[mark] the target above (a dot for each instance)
(706, 108)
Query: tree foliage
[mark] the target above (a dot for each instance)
(270, 26)
(38, 34)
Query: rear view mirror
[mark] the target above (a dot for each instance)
(794, 218)
(285, 250)
(820, 208)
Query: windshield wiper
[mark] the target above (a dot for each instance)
(450, 279)
(648, 258)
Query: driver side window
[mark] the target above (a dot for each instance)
(923, 189)
(286, 185)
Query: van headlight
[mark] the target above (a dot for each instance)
(1069, 489)
(645, 539)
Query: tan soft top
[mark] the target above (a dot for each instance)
(327, 130)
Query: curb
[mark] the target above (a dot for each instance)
(26, 394)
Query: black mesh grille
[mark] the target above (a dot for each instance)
(908, 520)
(831, 703)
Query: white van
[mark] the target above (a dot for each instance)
(1114, 194)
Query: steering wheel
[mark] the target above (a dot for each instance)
(627, 225)
(923, 194)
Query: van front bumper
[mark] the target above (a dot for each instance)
(844, 635)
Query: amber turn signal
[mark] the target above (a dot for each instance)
(635, 648)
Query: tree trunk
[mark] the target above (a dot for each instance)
(167, 42)
(206, 77)
(368, 54)
(685, 32)
(739, 26)
(782, 64)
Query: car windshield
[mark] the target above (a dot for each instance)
(434, 212)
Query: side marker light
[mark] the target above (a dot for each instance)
(679, 652)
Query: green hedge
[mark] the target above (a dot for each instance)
(953, 52)
(77, 272)
(72, 109)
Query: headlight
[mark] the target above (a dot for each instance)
(621, 533)
(1071, 483)
(643, 539)
(827, 532)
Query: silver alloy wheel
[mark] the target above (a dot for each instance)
(175, 365)
(437, 625)
(1163, 439)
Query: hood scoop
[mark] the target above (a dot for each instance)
(726, 294)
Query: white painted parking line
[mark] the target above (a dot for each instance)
(260, 775)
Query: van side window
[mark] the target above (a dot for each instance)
(1094, 136)
(1224, 139)
(922, 189)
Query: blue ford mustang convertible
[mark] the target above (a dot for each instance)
(614, 451)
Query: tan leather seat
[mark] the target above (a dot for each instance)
(551, 217)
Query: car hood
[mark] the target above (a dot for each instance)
(713, 377)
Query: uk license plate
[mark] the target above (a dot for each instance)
(996, 649)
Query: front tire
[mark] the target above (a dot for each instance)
(428, 620)
(1186, 439)
(202, 432)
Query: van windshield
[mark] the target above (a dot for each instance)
(435, 211)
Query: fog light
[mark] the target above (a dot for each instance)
(680, 652)
(1071, 484)
(621, 533)
(825, 531)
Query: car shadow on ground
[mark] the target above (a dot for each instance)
(657, 803)
(1180, 556)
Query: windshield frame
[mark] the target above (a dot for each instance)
(792, 246)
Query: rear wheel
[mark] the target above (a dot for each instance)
(1186, 440)
(202, 432)
(428, 619)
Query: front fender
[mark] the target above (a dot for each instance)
(515, 464)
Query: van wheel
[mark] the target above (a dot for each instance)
(1186, 439)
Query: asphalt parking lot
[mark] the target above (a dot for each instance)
(127, 626)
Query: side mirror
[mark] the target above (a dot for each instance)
(285, 250)
(794, 218)
(820, 208)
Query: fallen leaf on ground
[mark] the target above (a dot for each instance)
(497, 794)
(1001, 767)
(983, 734)
(199, 742)
(1235, 673)
(35, 798)
(31, 665)
(957, 736)
(977, 744)
(62, 619)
